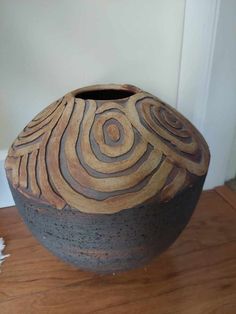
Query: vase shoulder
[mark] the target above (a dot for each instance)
(106, 148)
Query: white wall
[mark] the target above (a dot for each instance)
(207, 86)
(5, 195)
(220, 119)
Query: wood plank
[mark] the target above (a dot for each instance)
(30, 268)
(228, 194)
(196, 275)
(200, 282)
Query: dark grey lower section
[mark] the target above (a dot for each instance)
(109, 243)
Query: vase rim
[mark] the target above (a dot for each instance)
(124, 91)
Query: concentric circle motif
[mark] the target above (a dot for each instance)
(102, 157)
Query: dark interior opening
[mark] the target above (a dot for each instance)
(105, 94)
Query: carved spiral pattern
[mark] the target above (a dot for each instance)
(104, 157)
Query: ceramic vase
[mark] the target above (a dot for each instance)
(107, 176)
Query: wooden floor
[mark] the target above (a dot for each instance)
(196, 275)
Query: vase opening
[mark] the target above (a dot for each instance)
(105, 94)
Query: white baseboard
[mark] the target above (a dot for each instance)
(5, 193)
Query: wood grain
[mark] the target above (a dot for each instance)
(228, 194)
(197, 275)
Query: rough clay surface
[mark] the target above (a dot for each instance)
(110, 243)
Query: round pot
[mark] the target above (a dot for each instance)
(108, 176)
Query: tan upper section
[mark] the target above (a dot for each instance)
(102, 156)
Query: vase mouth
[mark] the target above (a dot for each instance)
(108, 92)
